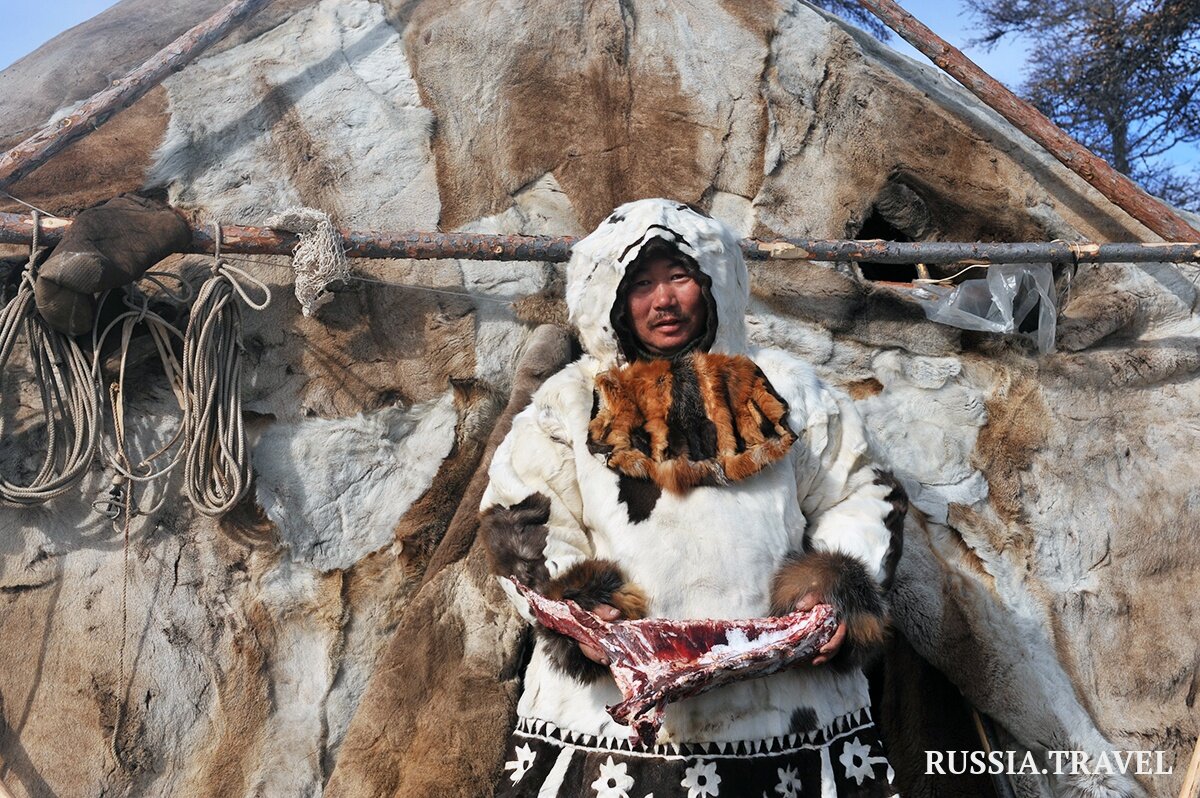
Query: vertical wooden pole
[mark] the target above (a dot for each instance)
(1191, 782)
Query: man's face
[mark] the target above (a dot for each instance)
(665, 305)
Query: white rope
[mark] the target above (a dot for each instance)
(20, 201)
(70, 400)
(216, 458)
(951, 278)
(318, 259)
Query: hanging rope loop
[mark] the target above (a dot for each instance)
(217, 458)
(69, 399)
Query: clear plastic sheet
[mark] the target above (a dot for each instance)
(1013, 299)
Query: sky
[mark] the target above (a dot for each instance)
(28, 25)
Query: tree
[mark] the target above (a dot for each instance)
(1122, 76)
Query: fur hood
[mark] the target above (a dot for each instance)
(598, 263)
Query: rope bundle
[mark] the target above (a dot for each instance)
(214, 449)
(70, 400)
(216, 457)
(120, 458)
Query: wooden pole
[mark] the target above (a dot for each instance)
(51, 139)
(1001, 783)
(1191, 782)
(1123, 192)
(237, 239)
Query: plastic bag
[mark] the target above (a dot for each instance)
(1012, 299)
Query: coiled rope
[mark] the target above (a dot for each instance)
(216, 457)
(120, 457)
(70, 400)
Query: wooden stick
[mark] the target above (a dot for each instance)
(239, 240)
(1001, 783)
(1123, 192)
(43, 145)
(1191, 782)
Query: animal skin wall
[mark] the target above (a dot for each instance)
(337, 632)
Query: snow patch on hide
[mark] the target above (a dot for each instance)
(337, 487)
(321, 111)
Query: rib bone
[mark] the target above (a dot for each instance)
(657, 661)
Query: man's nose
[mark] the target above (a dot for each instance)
(664, 296)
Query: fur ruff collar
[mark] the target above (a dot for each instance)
(700, 419)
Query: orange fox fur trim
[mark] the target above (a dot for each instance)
(748, 417)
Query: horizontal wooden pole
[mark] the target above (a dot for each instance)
(237, 239)
(54, 137)
(1119, 189)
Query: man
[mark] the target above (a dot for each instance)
(675, 471)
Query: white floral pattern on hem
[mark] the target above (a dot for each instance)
(521, 765)
(614, 781)
(701, 780)
(859, 764)
(789, 782)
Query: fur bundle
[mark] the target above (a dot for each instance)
(515, 540)
(702, 419)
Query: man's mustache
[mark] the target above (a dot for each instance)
(670, 318)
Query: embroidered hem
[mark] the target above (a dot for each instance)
(843, 759)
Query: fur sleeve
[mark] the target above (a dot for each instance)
(532, 529)
(531, 510)
(842, 581)
(851, 506)
(589, 583)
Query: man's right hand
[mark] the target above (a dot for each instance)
(605, 612)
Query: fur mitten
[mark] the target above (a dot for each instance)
(589, 583)
(843, 582)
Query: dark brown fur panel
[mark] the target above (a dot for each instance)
(843, 582)
(894, 521)
(515, 540)
(589, 583)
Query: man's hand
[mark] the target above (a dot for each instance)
(606, 612)
(830, 649)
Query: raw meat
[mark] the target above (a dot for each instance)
(658, 660)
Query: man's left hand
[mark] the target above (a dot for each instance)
(830, 649)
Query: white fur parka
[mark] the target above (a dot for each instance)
(714, 551)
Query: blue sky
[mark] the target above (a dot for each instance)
(28, 25)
